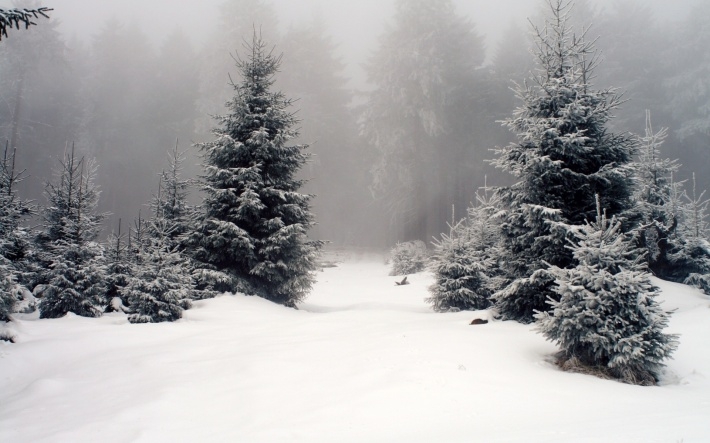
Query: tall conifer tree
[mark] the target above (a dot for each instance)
(565, 155)
(255, 221)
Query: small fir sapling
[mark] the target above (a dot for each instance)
(171, 205)
(160, 286)
(697, 248)
(659, 210)
(460, 269)
(653, 174)
(14, 245)
(7, 290)
(118, 269)
(484, 224)
(465, 261)
(408, 258)
(137, 237)
(76, 279)
(171, 201)
(606, 319)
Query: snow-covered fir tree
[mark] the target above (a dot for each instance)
(76, 278)
(14, 244)
(565, 155)
(160, 285)
(465, 261)
(255, 221)
(8, 282)
(696, 248)
(9, 289)
(137, 237)
(484, 230)
(14, 238)
(659, 209)
(118, 269)
(654, 175)
(170, 204)
(605, 317)
(171, 201)
(460, 270)
(408, 257)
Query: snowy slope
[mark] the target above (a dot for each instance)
(362, 360)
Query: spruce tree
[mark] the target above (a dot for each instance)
(605, 316)
(76, 278)
(565, 155)
(255, 222)
(8, 284)
(696, 248)
(171, 201)
(14, 244)
(460, 270)
(160, 286)
(170, 205)
(465, 261)
(654, 175)
(662, 227)
(118, 269)
(408, 257)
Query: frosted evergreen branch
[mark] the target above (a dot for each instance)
(12, 18)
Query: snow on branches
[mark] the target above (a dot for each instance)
(12, 18)
(606, 318)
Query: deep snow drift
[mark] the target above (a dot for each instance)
(362, 360)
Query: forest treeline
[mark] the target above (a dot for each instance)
(398, 153)
(584, 213)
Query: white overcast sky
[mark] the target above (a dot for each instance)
(353, 24)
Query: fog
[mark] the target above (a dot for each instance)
(124, 80)
(355, 26)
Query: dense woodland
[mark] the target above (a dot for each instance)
(125, 103)
(137, 179)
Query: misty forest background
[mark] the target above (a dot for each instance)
(392, 155)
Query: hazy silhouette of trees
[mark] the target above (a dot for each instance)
(431, 108)
(337, 172)
(418, 116)
(38, 100)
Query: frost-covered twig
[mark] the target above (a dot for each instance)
(12, 18)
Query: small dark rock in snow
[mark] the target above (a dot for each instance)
(479, 321)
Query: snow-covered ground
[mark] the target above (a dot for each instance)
(362, 360)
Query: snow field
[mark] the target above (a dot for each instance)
(361, 360)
